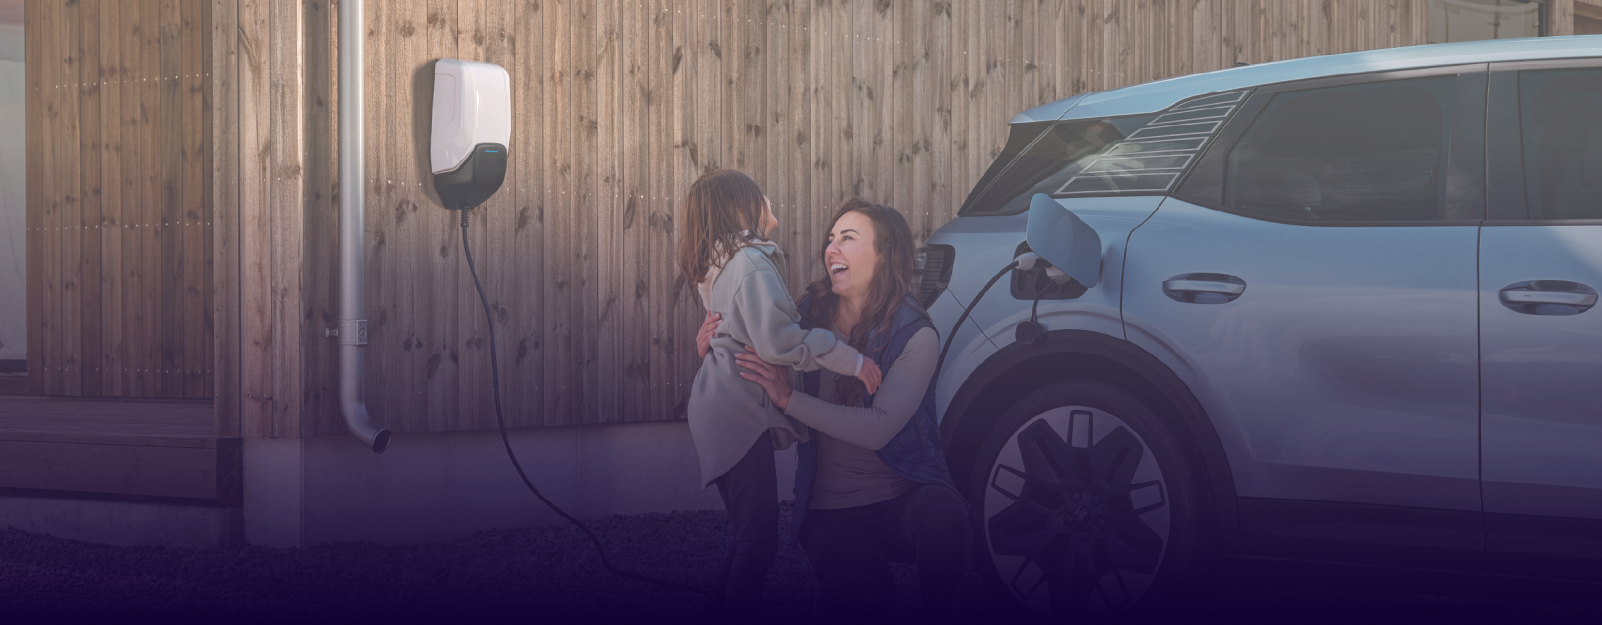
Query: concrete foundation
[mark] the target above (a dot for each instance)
(125, 523)
(436, 487)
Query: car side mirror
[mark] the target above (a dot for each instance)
(1064, 240)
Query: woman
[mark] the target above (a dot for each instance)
(872, 484)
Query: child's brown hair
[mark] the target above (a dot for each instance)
(720, 205)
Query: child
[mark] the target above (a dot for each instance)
(739, 275)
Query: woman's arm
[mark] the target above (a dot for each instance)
(763, 306)
(897, 399)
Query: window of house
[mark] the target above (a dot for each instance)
(1478, 20)
(1374, 152)
(1560, 116)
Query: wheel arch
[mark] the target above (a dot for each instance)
(1017, 369)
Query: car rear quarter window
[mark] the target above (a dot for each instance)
(1054, 152)
(1560, 116)
(1372, 152)
(1135, 154)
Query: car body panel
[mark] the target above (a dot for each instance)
(1542, 389)
(1346, 371)
(984, 245)
(1049, 111)
(968, 351)
(1158, 95)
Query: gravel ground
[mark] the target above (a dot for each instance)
(552, 572)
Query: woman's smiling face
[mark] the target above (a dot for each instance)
(850, 257)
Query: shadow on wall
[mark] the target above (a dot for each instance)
(422, 116)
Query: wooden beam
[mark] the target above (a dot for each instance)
(225, 193)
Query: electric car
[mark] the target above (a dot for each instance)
(1334, 308)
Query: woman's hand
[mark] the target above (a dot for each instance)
(870, 375)
(703, 339)
(772, 379)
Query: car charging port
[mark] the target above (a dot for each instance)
(1041, 281)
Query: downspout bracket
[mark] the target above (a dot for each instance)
(352, 332)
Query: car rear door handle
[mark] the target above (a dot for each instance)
(1548, 297)
(1204, 288)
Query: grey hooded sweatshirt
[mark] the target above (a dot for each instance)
(727, 412)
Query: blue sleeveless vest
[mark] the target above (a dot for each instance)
(915, 453)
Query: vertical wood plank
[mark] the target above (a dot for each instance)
(525, 404)
(193, 202)
(319, 376)
(134, 153)
(607, 255)
(286, 168)
(939, 74)
(472, 335)
(798, 98)
(440, 292)
(559, 355)
(493, 37)
(168, 225)
(226, 160)
(257, 336)
(632, 312)
(69, 262)
(390, 356)
(90, 191)
(681, 170)
(920, 207)
(662, 62)
(207, 160)
(405, 44)
(113, 74)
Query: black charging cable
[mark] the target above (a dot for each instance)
(495, 387)
(942, 361)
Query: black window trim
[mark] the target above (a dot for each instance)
(1202, 184)
(1207, 140)
(976, 192)
(1504, 163)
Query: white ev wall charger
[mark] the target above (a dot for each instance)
(472, 123)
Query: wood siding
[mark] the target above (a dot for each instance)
(618, 106)
(119, 198)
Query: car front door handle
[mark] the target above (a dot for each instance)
(1204, 288)
(1548, 297)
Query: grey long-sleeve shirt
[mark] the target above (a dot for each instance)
(849, 472)
(727, 412)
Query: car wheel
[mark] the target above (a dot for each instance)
(1087, 502)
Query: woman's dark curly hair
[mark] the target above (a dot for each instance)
(892, 239)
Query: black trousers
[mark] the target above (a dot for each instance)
(750, 493)
(851, 549)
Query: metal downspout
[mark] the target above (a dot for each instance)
(352, 237)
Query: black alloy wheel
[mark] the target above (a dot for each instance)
(1087, 502)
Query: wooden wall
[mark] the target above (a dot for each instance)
(118, 198)
(619, 105)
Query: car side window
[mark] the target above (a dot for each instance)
(1374, 152)
(1560, 116)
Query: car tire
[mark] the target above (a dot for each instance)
(1087, 502)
